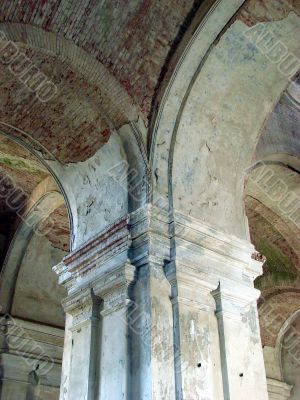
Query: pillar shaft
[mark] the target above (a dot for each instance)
(240, 346)
(216, 327)
(82, 380)
(197, 362)
(98, 277)
(171, 313)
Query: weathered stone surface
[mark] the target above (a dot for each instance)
(160, 298)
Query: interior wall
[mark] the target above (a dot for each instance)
(97, 189)
(37, 294)
(236, 89)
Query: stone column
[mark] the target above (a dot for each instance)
(152, 318)
(197, 355)
(114, 363)
(85, 310)
(67, 358)
(163, 311)
(98, 278)
(215, 315)
(243, 369)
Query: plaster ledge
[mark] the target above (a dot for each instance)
(278, 390)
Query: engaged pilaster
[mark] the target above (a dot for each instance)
(84, 307)
(152, 317)
(215, 316)
(98, 277)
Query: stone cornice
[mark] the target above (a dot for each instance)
(200, 246)
(113, 239)
(108, 248)
(201, 234)
(150, 238)
(203, 256)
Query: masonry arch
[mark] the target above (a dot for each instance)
(200, 161)
(37, 237)
(72, 124)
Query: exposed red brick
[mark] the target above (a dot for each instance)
(254, 11)
(132, 39)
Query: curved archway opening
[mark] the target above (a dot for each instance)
(272, 205)
(35, 233)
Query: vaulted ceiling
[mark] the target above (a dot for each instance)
(106, 59)
(131, 38)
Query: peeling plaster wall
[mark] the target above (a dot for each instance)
(96, 190)
(229, 101)
(37, 295)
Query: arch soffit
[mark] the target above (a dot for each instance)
(180, 85)
(170, 112)
(91, 69)
(42, 204)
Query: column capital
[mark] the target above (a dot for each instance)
(233, 300)
(189, 286)
(115, 287)
(278, 390)
(83, 305)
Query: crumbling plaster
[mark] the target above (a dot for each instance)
(37, 295)
(227, 106)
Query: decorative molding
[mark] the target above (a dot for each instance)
(232, 301)
(150, 237)
(202, 258)
(95, 256)
(81, 305)
(278, 390)
(201, 248)
(115, 287)
(31, 339)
